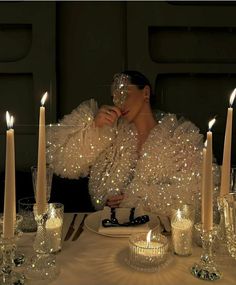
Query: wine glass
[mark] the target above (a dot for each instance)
(49, 176)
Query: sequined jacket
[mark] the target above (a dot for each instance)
(165, 172)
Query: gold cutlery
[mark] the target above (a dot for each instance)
(80, 229)
(71, 228)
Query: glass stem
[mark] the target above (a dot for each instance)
(8, 253)
(221, 230)
(207, 256)
(206, 269)
(41, 242)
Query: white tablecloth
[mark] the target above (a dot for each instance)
(95, 259)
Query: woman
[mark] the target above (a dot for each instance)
(131, 154)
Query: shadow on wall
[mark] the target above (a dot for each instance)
(73, 193)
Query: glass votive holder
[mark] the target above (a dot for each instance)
(182, 221)
(54, 225)
(19, 219)
(25, 209)
(147, 253)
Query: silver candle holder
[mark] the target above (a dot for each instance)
(229, 204)
(8, 275)
(19, 257)
(206, 269)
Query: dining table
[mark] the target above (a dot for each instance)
(95, 259)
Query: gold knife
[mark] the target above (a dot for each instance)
(71, 228)
(80, 229)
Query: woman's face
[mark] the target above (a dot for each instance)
(134, 103)
(128, 97)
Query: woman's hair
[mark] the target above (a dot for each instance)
(138, 79)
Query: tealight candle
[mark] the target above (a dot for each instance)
(146, 252)
(54, 232)
(182, 226)
(54, 225)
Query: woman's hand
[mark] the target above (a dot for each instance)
(114, 201)
(107, 115)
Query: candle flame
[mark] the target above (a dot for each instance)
(10, 120)
(45, 95)
(232, 97)
(149, 236)
(53, 213)
(179, 214)
(211, 123)
(205, 143)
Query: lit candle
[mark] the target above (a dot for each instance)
(226, 165)
(147, 251)
(54, 233)
(182, 233)
(41, 186)
(203, 177)
(9, 215)
(208, 185)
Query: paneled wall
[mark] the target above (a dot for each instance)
(27, 70)
(91, 47)
(188, 51)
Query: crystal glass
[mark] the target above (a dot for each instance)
(25, 209)
(8, 274)
(49, 174)
(221, 235)
(229, 206)
(182, 220)
(233, 179)
(206, 269)
(42, 265)
(19, 257)
(119, 89)
(147, 255)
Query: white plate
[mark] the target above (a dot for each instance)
(92, 223)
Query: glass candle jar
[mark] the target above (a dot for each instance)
(147, 251)
(182, 228)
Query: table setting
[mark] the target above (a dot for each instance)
(95, 257)
(43, 245)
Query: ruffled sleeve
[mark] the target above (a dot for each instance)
(170, 167)
(74, 143)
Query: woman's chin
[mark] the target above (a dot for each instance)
(127, 119)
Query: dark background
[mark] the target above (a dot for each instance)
(72, 49)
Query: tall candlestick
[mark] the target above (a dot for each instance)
(203, 178)
(9, 215)
(208, 187)
(226, 165)
(41, 197)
